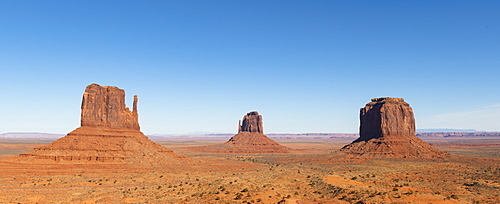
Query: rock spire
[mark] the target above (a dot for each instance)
(250, 139)
(252, 122)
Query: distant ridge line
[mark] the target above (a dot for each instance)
(447, 130)
(445, 134)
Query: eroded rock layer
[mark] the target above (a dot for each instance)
(102, 145)
(104, 106)
(109, 133)
(387, 129)
(252, 122)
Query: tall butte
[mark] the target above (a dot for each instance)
(109, 133)
(387, 129)
(250, 139)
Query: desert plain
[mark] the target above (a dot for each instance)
(314, 171)
(109, 160)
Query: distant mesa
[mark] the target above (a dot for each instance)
(30, 135)
(387, 129)
(447, 130)
(250, 139)
(109, 133)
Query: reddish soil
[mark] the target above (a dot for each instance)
(312, 175)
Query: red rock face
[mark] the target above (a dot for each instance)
(109, 133)
(387, 129)
(386, 117)
(250, 139)
(252, 122)
(104, 106)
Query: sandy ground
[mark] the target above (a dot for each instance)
(312, 173)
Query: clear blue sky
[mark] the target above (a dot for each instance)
(199, 66)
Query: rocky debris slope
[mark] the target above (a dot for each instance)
(109, 133)
(250, 139)
(387, 129)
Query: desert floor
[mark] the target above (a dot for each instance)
(312, 173)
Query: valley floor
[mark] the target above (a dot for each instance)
(313, 173)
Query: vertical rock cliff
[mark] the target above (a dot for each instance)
(387, 129)
(252, 122)
(109, 133)
(250, 139)
(104, 106)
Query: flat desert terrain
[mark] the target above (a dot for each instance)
(313, 172)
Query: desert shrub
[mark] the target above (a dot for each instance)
(408, 193)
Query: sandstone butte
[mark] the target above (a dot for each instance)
(109, 133)
(387, 129)
(250, 139)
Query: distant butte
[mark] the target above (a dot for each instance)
(250, 139)
(387, 129)
(109, 133)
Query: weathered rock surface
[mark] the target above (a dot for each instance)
(252, 122)
(387, 129)
(250, 139)
(104, 106)
(109, 133)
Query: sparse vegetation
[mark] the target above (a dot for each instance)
(293, 176)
